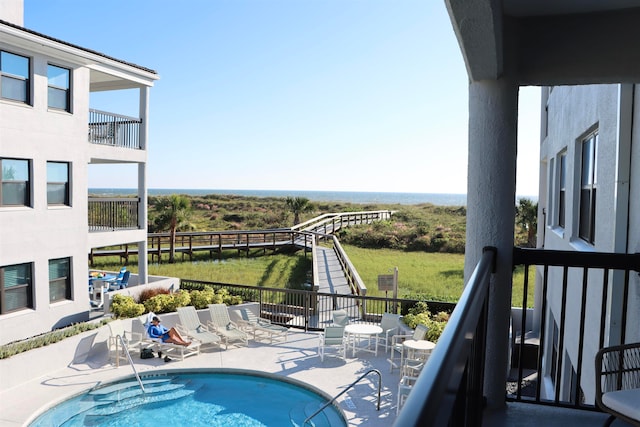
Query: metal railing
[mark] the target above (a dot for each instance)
(120, 339)
(449, 389)
(584, 307)
(310, 310)
(114, 213)
(350, 386)
(114, 130)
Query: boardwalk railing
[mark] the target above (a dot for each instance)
(332, 222)
(113, 213)
(114, 129)
(214, 242)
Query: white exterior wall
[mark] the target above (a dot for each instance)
(12, 11)
(572, 113)
(39, 233)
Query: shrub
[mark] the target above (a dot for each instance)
(201, 298)
(150, 293)
(419, 315)
(125, 306)
(167, 303)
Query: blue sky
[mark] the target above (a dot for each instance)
(336, 95)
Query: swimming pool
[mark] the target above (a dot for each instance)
(196, 398)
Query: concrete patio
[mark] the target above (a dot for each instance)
(40, 378)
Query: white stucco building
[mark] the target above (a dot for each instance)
(49, 137)
(589, 202)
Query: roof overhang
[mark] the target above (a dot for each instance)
(107, 73)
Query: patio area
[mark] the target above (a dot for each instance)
(42, 377)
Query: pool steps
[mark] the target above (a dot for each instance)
(126, 395)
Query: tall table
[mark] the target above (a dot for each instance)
(415, 346)
(355, 331)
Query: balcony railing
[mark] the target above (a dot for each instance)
(113, 129)
(585, 294)
(110, 214)
(584, 304)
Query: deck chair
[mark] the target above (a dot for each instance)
(404, 388)
(221, 323)
(191, 326)
(340, 317)
(132, 341)
(121, 282)
(390, 324)
(333, 336)
(259, 325)
(175, 350)
(618, 382)
(396, 344)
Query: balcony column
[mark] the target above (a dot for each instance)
(493, 116)
(143, 275)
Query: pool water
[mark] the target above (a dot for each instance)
(195, 399)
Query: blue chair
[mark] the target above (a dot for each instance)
(120, 282)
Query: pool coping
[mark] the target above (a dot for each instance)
(41, 378)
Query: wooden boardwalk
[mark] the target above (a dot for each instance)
(333, 275)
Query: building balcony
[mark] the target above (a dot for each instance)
(582, 303)
(113, 214)
(114, 130)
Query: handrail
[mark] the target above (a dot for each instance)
(345, 390)
(126, 351)
(437, 390)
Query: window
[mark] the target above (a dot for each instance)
(15, 288)
(14, 77)
(59, 279)
(562, 189)
(59, 83)
(57, 183)
(588, 181)
(15, 188)
(550, 193)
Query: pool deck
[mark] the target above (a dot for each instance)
(40, 378)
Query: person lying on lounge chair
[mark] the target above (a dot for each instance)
(156, 330)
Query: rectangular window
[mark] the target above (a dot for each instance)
(15, 183)
(588, 182)
(15, 288)
(59, 84)
(59, 279)
(550, 193)
(562, 189)
(58, 183)
(14, 77)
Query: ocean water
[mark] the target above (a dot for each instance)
(315, 196)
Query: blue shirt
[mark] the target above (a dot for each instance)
(158, 331)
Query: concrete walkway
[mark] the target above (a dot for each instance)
(42, 377)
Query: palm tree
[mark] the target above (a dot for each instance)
(173, 213)
(298, 205)
(527, 218)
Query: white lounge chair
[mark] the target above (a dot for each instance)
(133, 341)
(191, 326)
(168, 349)
(221, 323)
(256, 324)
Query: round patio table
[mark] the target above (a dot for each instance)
(415, 346)
(355, 331)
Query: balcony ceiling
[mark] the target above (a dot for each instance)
(549, 42)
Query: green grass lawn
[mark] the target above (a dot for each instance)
(421, 275)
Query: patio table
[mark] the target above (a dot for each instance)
(355, 331)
